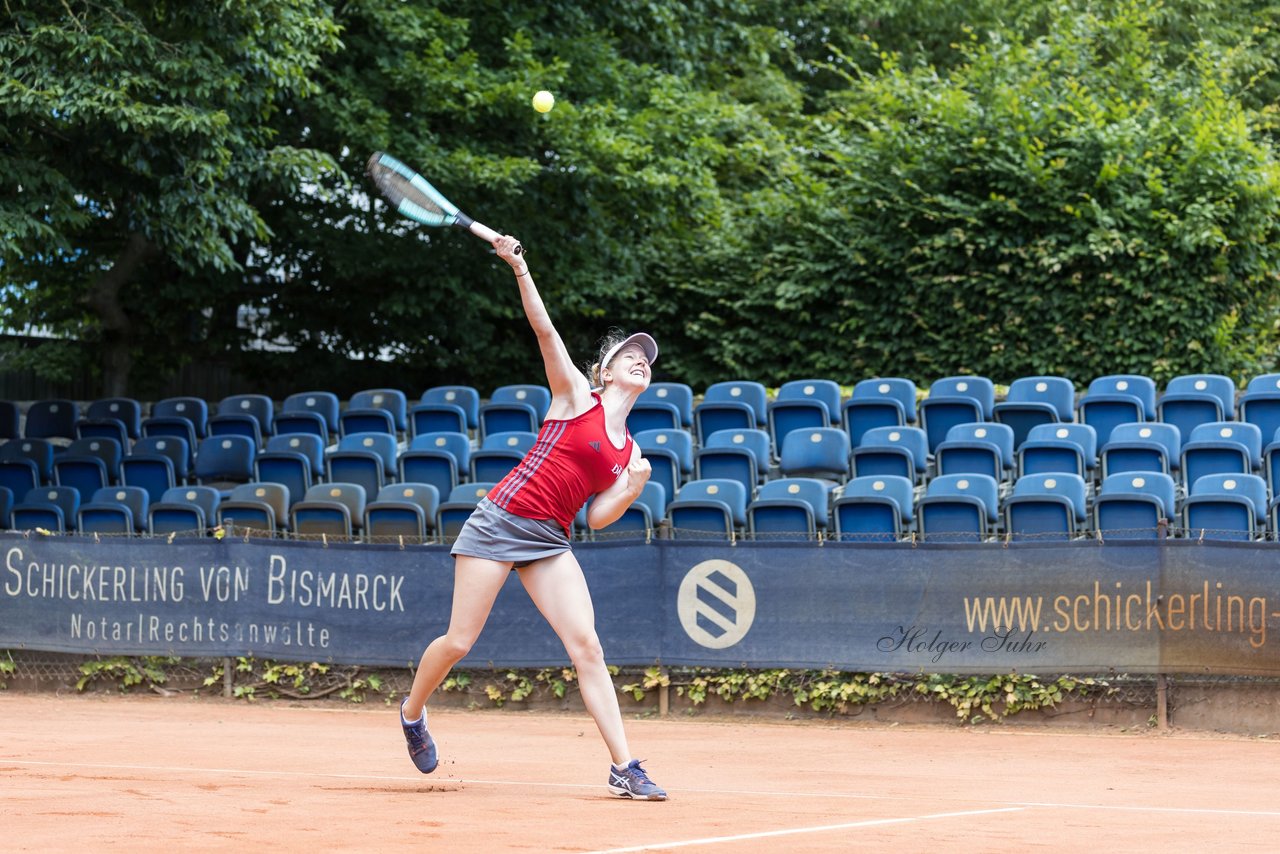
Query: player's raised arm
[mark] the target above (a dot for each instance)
(569, 388)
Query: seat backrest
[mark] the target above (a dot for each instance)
(679, 442)
(1000, 435)
(1083, 435)
(65, 497)
(1249, 486)
(1166, 435)
(55, 418)
(817, 452)
(730, 492)
(897, 489)
(888, 388)
(678, 394)
(1241, 432)
(193, 409)
(980, 389)
(323, 403)
(814, 492)
(225, 458)
(754, 441)
(205, 497)
(1057, 392)
(470, 493)
(10, 420)
(748, 392)
(105, 449)
(1136, 385)
(274, 495)
(1263, 384)
(1066, 485)
(135, 498)
(464, 397)
(37, 451)
(259, 406)
(913, 439)
(425, 495)
(539, 397)
(825, 392)
(384, 445)
(455, 444)
(1217, 385)
(352, 495)
(126, 410)
(1156, 484)
(980, 486)
(307, 444)
(389, 400)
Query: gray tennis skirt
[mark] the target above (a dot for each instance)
(494, 534)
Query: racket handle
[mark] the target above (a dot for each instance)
(482, 231)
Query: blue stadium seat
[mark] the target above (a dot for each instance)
(874, 509)
(375, 410)
(39, 452)
(329, 510)
(294, 460)
(368, 459)
(18, 475)
(816, 452)
(898, 451)
(801, 405)
(499, 453)
(955, 400)
(730, 405)
(641, 519)
(515, 407)
(440, 459)
(184, 510)
(6, 506)
(879, 402)
(259, 506)
(662, 406)
(1117, 399)
(1035, 400)
(1260, 403)
(741, 455)
(224, 460)
(155, 465)
(453, 513)
(1059, 447)
(314, 412)
(1221, 447)
(713, 508)
(52, 419)
(108, 450)
(193, 410)
(1046, 507)
(959, 508)
(53, 508)
(1135, 506)
(10, 423)
(251, 415)
(1226, 507)
(126, 410)
(1194, 399)
(790, 508)
(173, 428)
(1142, 446)
(670, 454)
(85, 473)
(103, 428)
(1271, 464)
(464, 397)
(114, 510)
(403, 512)
(982, 448)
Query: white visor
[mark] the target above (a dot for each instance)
(643, 339)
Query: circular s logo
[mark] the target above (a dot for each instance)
(716, 604)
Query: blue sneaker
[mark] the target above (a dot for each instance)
(632, 782)
(422, 750)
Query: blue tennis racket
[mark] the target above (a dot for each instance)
(413, 197)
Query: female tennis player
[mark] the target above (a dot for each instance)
(583, 449)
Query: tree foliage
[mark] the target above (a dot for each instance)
(775, 189)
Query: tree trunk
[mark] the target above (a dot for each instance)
(103, 299)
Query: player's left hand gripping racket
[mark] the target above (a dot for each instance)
(414, 197)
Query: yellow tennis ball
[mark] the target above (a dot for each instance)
(544, 101)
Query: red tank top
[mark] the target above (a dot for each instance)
(571, 461)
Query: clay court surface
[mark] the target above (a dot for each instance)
(181, 773)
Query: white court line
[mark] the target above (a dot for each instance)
(826, 828)
(425, 778)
